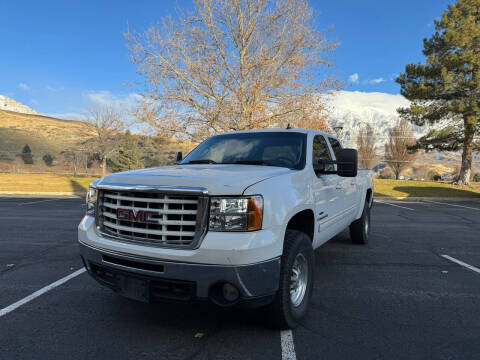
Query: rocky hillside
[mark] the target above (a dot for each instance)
(9, 104)
(46, 135)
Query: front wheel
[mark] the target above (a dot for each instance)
(296, 281)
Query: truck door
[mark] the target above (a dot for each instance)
(349, 185)
(328, 194)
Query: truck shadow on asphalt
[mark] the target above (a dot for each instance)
(200, 317)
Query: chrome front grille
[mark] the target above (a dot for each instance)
(152, 217)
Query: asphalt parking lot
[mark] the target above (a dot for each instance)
(396, 298)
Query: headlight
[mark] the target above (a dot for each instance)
(236, 214)
(91, 200)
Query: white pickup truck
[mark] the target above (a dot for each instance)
(235, 222)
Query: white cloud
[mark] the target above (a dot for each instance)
(54, 88)
(23, 86)
(123, 103)
(353, 78)
(106, 98)
(67, 116)
(377, 81)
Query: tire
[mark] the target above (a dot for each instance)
(287, 310)
(360, 229)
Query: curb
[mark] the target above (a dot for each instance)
(41, 194)
(428, 198)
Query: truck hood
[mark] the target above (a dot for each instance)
(217, 179)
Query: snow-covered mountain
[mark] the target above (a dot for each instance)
(7, 103)
(353, 109)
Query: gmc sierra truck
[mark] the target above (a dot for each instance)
(235, 222)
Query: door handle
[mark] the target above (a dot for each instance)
(339, 187)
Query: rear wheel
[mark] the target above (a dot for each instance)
(296, 281)
(360, 229)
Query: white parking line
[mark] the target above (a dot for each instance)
(470, 267)
(442, 203)
(288, 348)
(386, 203)
(38, 201)
(42, 291)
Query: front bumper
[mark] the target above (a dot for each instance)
(149, 279)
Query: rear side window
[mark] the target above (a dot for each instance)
(321, 151)
(336, 146)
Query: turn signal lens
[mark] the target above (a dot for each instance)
(255, 212)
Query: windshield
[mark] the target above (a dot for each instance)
(283, 149)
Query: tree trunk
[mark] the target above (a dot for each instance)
(464, 175)
(397, 173)
(104, 166)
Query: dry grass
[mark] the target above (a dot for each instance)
(51, 183)
(408, 188)
(43, 183)
(60, 132)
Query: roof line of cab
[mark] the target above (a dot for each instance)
(294, 130)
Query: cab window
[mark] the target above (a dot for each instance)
(321, 151)
(336, 146)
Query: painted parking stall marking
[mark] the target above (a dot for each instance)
(399, 206)
(461, 263)
(456, 205)
(37, 201)
(288, 347)
(40, 292)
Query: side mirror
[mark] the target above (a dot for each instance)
(347, 163)
(178, 157)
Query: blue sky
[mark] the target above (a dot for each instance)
(60, 57)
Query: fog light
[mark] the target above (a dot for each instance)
(230, 292)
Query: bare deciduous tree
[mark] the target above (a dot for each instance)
(231, 65)
(105, 123)
(74, 158)
(366, 139)
(397, 154)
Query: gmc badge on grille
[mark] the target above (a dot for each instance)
(137, 216)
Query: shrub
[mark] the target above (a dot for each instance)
(385, 173)
(433, 174)
(48, 159)
(476, 177)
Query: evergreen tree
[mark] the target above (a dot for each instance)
(48, 159)
(446, 90)
(27, 155)
(129, 155)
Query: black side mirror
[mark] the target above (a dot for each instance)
(347, 163)
(319, 167)
(178, 157)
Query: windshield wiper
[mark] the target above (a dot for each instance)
(253, 162)
(200, 161)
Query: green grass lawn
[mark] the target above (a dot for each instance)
(43, 183)
(51, 183)
(408, 188)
